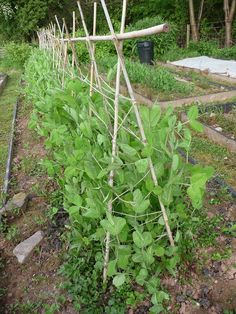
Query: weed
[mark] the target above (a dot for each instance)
(40, 221)
(12, 233)
(2, 292)
(24, 308)
(219, 256)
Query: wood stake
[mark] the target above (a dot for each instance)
(73, 35)
(93, 46)
(92, 57)
(138, 117)
(114, 141)
(72, 48)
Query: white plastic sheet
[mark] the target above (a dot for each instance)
(216, 66)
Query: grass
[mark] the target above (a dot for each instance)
(7, 103)
(212, 154)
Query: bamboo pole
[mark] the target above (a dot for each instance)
(92, 56)
(58, 25)
(138, 117)
(163, 28)
(114, 141)
(93, 46)
(62, 51)
(72, 47)
(188, 36)
(73, 35)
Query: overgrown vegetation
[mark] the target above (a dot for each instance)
(15, 55)
(79, 147)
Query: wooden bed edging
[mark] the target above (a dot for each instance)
(3, 82)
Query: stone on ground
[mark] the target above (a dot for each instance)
(23, 250)
(19, 201)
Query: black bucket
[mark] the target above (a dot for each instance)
(146, 51)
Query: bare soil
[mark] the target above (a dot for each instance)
(37, 282)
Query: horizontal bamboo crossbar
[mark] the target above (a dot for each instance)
(163, 28)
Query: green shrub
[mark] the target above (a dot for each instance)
(162, 42)
(226, 53)
(16, 54)
(204, 48)
(178, 54)
(102, 49)
(81, 48)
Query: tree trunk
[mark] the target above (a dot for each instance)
(229, 16)
(200, 15)
(228, 33)
(194, 29)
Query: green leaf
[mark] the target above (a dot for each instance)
(130, 151)
(101, 139)
(149, 259)
(76, 200)
(124, 253)
(119, 280)
(193, 113)
(142, 165)
(147, 151)
(140, 205)
(152, 284)
(196, 126)
(111, 270)
(159, 251)
(175, 162)
(156, 309)
(157, 190)
(150, 116)
(92, 213)
(159, 297)
(114, 225)
(102, 173)
(86, 129)
(72, 112)
(138, 257)
(142, 275)
(142, 240)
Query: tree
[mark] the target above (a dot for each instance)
(20, 19)
(229, 9)
(195, 25)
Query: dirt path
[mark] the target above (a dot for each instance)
(32, 287)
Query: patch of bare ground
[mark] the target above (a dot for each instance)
(35, 283)
(208, 283)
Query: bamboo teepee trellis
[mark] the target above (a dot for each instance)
(59, 44)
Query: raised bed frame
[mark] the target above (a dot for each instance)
(3, 82)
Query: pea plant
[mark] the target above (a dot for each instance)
(79, 158)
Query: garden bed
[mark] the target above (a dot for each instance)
(221, 121)
(163, 84)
